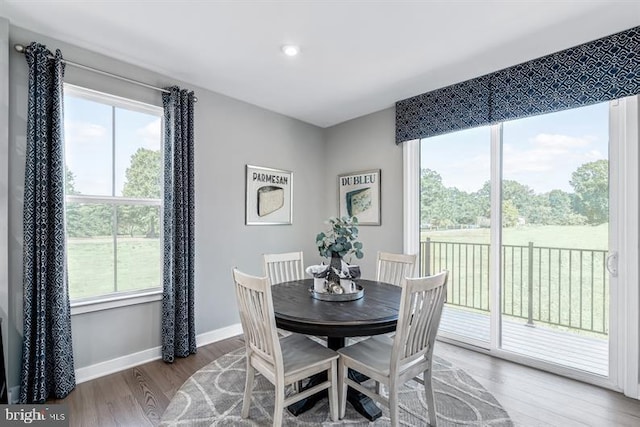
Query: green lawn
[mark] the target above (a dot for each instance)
(91, 265)
(569, 283)
(557, 236)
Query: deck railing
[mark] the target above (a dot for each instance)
(567, 287)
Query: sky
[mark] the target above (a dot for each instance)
(88, 143)
(539, 151)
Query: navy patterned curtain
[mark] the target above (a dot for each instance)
(178, 327)
(602, 70)
(47, 354)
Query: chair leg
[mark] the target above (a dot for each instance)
(278, 408)
(248, 390)
(393, 402)
(333, 390)
(431, 402)
(342, 387)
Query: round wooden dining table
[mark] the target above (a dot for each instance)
(375, 313)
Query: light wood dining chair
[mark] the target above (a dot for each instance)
(394, 361)
(284, 267)
(281, 361)
(394, 268)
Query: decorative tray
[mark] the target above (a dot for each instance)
(351, 296)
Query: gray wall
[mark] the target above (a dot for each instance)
(367, 143)
(229, 135)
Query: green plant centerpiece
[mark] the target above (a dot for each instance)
(338, 241)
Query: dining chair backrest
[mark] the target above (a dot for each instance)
(258, 320)
(284, 267)
(394, 268)
(405, 357)
(418, 319)
(301, 358)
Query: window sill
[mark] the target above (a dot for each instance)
(82, 307)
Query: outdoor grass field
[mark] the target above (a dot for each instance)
(91, 265)
(557, 236)
(565, 268)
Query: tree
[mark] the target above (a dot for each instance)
(591, 185)
(524, 200)
(517, 199)
(533, 208)
(561, 209)
(432, 197)
(143, 175)
(143, 178)
(73, 211)
(85, 219)
(560, 204)
(462, 207)
(445, 206)
(483, 199)
(510, 214)
(69, 182)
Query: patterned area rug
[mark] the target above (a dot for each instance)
(213, 396)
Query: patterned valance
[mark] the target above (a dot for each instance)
(598, 71)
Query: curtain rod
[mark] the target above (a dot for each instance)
(22, 49)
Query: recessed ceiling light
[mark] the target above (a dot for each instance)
(290, 50)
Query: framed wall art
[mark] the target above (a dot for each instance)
(269, 196)
(359, 196)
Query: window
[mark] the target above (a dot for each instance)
(113, 164)
(562, 227)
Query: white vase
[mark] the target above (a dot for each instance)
(318, 285)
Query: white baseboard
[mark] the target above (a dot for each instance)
(219, 334)
(14, 395)
(120, 363)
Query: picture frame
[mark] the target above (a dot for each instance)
(268, 196)
(359, 196)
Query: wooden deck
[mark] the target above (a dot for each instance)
(583, 352)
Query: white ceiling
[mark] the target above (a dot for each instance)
(356, 57)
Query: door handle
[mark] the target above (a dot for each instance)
(612, 264)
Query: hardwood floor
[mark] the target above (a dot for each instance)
(538, 398)
(138, 396)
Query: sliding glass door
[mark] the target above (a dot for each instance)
(520, 215)
(455, 219)
(555, 238)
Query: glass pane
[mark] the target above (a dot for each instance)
(138, 159)
(88, 146)
(90, 249)
(139, 251)
(455, 221)
(555, 217)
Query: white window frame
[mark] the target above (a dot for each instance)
(625, 341)
(625, 345)
(117, 299)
